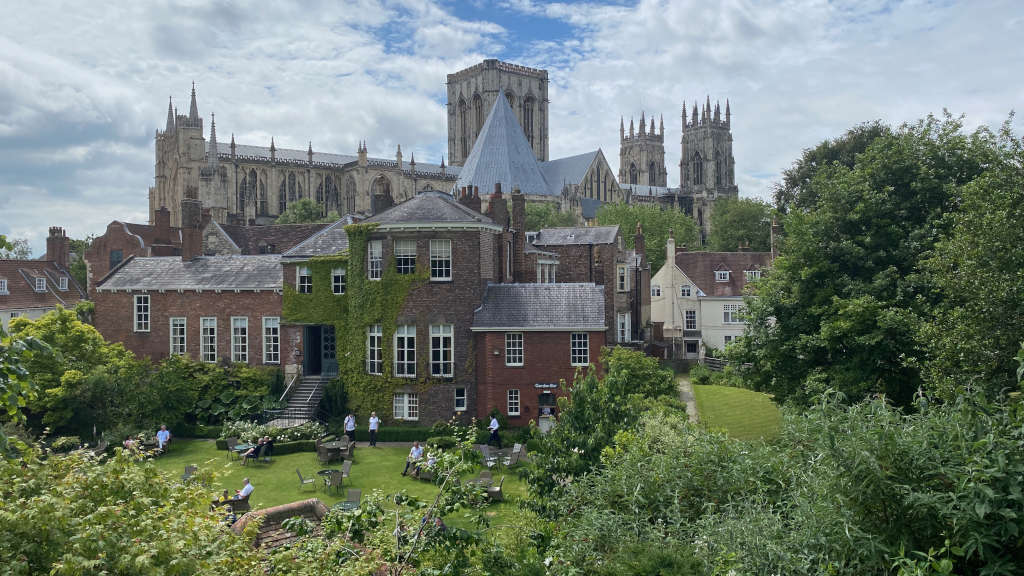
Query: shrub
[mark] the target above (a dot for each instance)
(66, 443)
(395, 434)
(700, 375)
(442, 442)
(251, 432)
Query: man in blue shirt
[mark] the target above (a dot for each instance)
(415, 455)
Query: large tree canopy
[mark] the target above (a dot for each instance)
(546, 215)
(740, 221)
(305, 211)
(844, 303)
(656, 224)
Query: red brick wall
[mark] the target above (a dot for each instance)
(115, 320)
(97, 258)
(545, 360)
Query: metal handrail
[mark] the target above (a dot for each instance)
(288, 388)
(309, 400)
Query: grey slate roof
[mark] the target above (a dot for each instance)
(430, 207)
(569, 170)
(502, 155)
(331, 240)
(577, 235)
(261, 272)
(645, 190)
(245, 151)
(541, 307)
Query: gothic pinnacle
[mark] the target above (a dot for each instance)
(170, 116)
(193, 111)
(213, 141)
(661, 124)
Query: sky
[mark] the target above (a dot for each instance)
(84, 85)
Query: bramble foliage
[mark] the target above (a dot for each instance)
(740, 221)
(656, 224)
(74, 514)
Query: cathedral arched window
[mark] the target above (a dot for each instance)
(282, 196)
(528, 105)
(250, 192)
(240, 197)
(652, 174)
(291, 187)
(330, 195)
(718, 169)
(463, 128)
(381, 186)
(478, 113)
(633, 175)
(350, 194)
(263, 200)
(697, 169)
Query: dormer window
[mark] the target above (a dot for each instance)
(63, 282)
(40, 284)
(721, 275)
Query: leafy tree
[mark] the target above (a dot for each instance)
(596, 409)
(305, 211)
(740, 221)
(844, 303)
(795, 192)
(979, 324)
(546, 215)
(15, 249)
(656, 224)
(77, 265)
(16, 387)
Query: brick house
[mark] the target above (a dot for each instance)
(529, 339)
(31, 288)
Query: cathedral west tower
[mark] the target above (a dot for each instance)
(707, 169)
(471, 96)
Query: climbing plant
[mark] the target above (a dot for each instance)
(365, 303)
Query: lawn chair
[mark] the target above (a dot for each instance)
(254, 456)
(190, 470)
(240, 505)
(354, 496)
(323, 454)
(350, 451)
(268, 452)
(334, 480)
(513, 458)
(232, 444)
(494, 492)
(488, 459)
(484, 478)
(305, 481)
(346, 468)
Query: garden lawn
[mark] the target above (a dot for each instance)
(743, 414)
(277, 483)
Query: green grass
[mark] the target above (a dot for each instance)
(277, 483)
(744, 414)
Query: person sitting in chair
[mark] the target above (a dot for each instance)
(256, 450)
(130, 443)
(415, 455)
(247, 489)
(431, 460)
(163, 437)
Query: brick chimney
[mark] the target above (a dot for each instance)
(57, 247)
(670, 247)
(518, 227)
(162, 226)
(474, 199)
(191, 225)
(497, 208)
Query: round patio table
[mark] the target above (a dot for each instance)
(335, 445)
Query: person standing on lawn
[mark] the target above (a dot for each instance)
(350, 427)
(493, 427)
(374, 425)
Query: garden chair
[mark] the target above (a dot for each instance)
(268, 452)
(232, 443)
(494, 492)
(513, 458)
(323, 454)
(354, 496)
(100, 448)
(488, 459)
(190, 470)
(334, 480)
(350, 451)
(346, 468)
(484, 478)
(305, 481)
(255, 455)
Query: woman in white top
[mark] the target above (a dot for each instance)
(374, 425)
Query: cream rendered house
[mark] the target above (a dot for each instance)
(698, 297)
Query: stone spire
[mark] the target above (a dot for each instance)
(193, 110)
(694, 119)
(728, 114)
(718, 113)
(273, 149)
(661, 123)
(211, 159)
(412, 162)
(652, 126)
(398, 156)
(309, 152)
(630, 126)
(622, 129)
(170, 116)
(684, 114)
(442, 165)
(232, 144)
(643, 124)
(707, 109)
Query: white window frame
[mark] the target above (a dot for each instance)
(374, 259)
(339, 280)
(40, 284)
(439, 333)
(655, 291)
(240, 341)
(405, 406)
(546, 271)
(303, 280)
(375, 349)
(689, 320)
(514, 349)
(731, 314)
(729, 339)
(3, 285)
(440, 260)
(752, 275)
(62, 283)
(622, 279)
(463, 397)
(271, 339)
(579, 349)
(141, 313)
(404, 365)
(685, 291)
(178, 334)
(208, 339)
(721, 275)
(405, 254)
(623, 325)
(513, 405)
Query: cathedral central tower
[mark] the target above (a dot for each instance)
(642, 154)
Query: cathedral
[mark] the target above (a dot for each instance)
(246, 184)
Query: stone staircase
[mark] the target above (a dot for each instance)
(303, 401)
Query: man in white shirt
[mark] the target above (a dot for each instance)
(415, 454)
(350, 427)
(374, 424)
(493, 427)
(163, 436)
(246, 490)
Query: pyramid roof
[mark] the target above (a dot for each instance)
(502, 155)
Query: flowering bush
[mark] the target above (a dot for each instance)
(251, 432)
